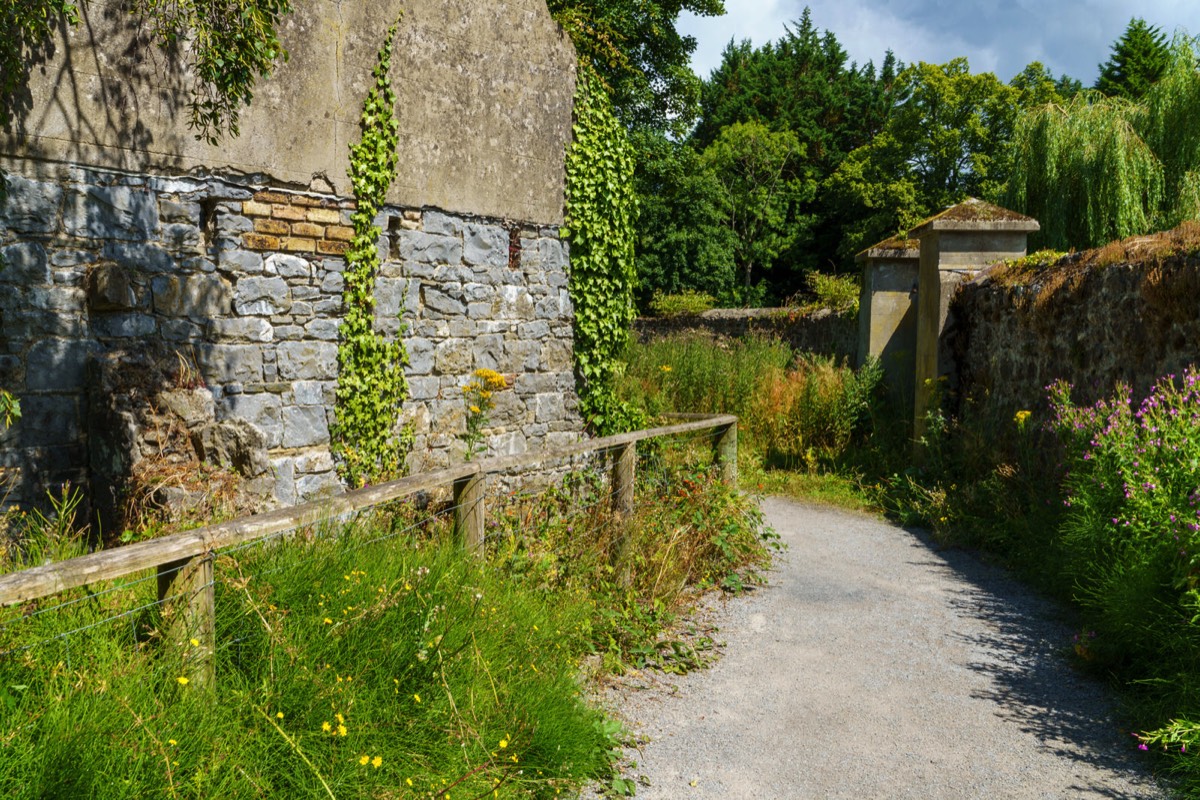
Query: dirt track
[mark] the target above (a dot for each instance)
(875, 665)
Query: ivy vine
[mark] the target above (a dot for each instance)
(601, 208)
(371, 383)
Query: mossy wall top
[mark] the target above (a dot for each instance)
(484, 87)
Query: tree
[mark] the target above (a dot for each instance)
(1139, 58)
(944, 141)
(636, 49)
(751, 164)
(803, 83)
(1038, 86)
(1103, 168)
(684, 240)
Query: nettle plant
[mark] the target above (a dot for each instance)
(367, 437)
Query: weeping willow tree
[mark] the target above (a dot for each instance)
(1169, 127)
(1084, 172)
(1099, 168)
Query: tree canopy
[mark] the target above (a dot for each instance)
(1139, 58)
(637, 50)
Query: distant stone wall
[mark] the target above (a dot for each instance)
(242, 284)
(1092, 326)
(822, 332)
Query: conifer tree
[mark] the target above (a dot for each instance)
(1138, 59)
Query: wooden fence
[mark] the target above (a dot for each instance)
(184, 561)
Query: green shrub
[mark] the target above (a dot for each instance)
(839, 293)
(685, 303)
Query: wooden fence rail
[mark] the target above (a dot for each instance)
(184, 561)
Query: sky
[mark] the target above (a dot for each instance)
(1000, 36)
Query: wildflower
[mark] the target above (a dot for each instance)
(377, 762)
(325, 726)
(476, 410)
(328, 621)
(195, 642)
(341, 730)
(417, 697)
(503, 743)
(1143, 746)
(665, 367)
(364, 760)
(408, 781)
(172, 742)
(182, 680)
(278, 715)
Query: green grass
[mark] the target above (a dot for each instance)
(354, 661)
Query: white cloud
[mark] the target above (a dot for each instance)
(1071, 36)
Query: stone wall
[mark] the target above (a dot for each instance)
(821, 332)
(241, 285)
(1092, 325)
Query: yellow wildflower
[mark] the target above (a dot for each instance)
(172, 742)
(328, 621)
(341, 730)
(1021, 416)
(408, 781)
(665, 367)
(364, 760)
(475, 410)
(325, 726)
(195, 642)
(377, 762)
(182, 680)
(279, 715)
(503, 743)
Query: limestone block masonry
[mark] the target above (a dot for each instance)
(242, 284)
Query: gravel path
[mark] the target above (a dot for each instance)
(875, 665)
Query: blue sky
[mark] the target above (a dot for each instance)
(1001, 36)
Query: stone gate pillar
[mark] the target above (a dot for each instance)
(887, 313)
(955, 245)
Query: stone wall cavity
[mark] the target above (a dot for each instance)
(239, 286)
(1093, 326)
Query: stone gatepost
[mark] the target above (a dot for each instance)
(955, 245)
(887, 312)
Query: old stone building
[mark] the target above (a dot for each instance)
(159, 289)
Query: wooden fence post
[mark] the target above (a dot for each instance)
(185, 590)
(469, 512)
(624, 468)
(726, 452)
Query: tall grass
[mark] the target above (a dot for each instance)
(374, 659)
(794, 410)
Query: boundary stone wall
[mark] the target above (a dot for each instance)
(1093, 326)
(822, 332)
